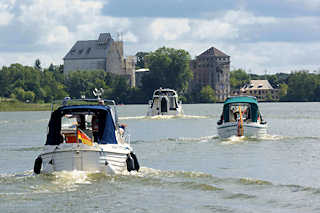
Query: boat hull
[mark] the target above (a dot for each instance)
(253, 129)
(108, 159)
(154, 112)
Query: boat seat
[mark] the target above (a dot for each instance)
(70, 137)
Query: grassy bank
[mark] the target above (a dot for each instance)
(8, 105)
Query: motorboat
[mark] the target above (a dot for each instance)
(84, 135)
(241, 117)
(164, 102)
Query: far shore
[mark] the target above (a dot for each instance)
(19, 106)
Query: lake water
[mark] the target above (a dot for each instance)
(185, 166)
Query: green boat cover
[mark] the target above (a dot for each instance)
(241, 99)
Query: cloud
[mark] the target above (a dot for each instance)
(307, 4)
(5, 12)
(168, 29)
(275, 56)
(5, 18)
(213, 30)
(130, 37)
(252, 34)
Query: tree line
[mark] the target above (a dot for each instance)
(297, 86)
(169, 68)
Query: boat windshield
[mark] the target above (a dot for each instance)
(236, 109)
(70, 124)
(166, 93)
(173, 104)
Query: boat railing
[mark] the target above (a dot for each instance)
(127, 138)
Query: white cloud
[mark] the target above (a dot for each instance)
(169, 29)
(275, 56)
(33, 29)
(58, 34)
(5, 12)
(241, 17)
(308, 4)
(5, 18)
(130, 37)
(213, 29)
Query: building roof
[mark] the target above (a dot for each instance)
(213, 51)
(257, 84)
(91, 49)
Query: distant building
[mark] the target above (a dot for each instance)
(102, 54)
(261, 89)
(212, 68)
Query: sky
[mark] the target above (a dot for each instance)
(260, 36)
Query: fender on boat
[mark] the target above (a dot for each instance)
(136, 163)
(132, 162)
(37, 165)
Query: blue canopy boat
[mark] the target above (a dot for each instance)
(84, 135)
(241, 117)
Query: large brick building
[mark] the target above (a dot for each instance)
(212, 68)
(102, 54)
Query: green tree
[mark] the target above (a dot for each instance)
(283, 90)
(238, 78)
(207, 95)
(168, 68)
(301, 86)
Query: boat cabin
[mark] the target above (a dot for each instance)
(166, 98)
(82, 124)
(246, 105)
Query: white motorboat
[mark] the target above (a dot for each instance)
(241, 117)
(164, 102)
(84, 135)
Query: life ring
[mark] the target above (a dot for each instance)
(37, 165)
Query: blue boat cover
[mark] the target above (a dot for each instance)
(106, 123)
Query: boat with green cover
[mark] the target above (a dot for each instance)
(241, 117)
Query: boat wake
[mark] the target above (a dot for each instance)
(197, 139)
(241, 139)
(229, 187)
(133, 118)
(164, 117)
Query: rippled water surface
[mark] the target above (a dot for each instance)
(185, 166)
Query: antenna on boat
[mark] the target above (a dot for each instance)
(65, 101)
(98, 92)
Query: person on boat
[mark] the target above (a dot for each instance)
(122, 129)
(95, 127)
(246, 114)
(101, 102)
(81, 122)
(236, 115)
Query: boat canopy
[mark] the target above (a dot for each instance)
(107, 125)
(252, 101)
